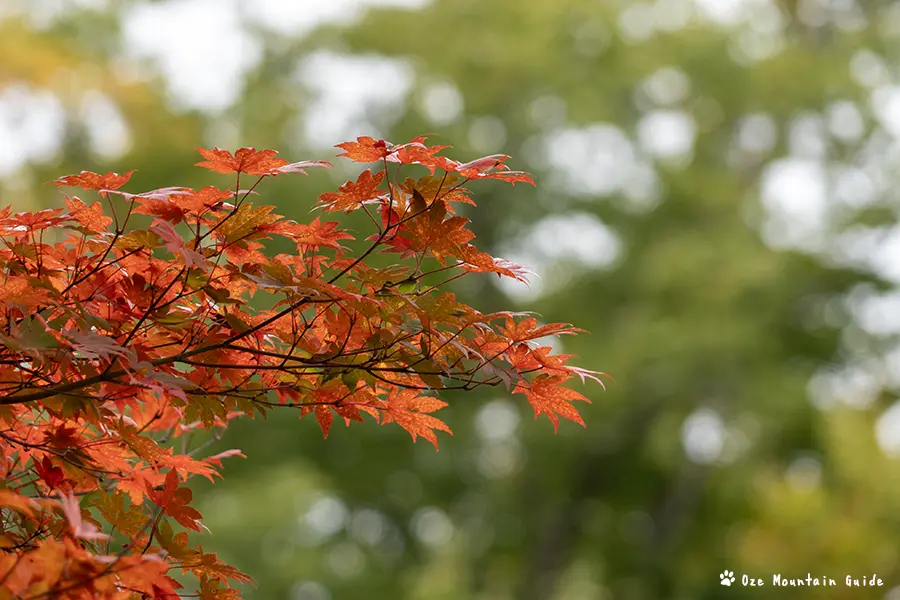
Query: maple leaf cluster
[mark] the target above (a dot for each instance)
(128, 322)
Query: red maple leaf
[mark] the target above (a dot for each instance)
(174, 501)
(50, 473)
(162, 208)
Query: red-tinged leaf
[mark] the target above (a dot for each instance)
(475, 261)
(324, 417)
(210, 566)
(185, 465)
(319, 233)
(44, 219)
(458, 195)
(353, 195)
(50, 473)
(212, 588)
(162, 208)
(442, 237)
(80, 529)
(90, 217)
(174, 502)
(410, 411)
(137, 483)
(365, 149)
(528, 329)
(548, 397)
(389, 216)
(209, 198)
(526, 359)
(94, 181)
(245, 160)
(163, 593)
(417, 153)
(482, 168)
(216, 459)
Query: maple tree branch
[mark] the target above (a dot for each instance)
(151, 308)
(135, 369)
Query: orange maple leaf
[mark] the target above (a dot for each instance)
(548, 397)
(19, 503)
(417, 153)
(245, 160)
(211, 566)
(94, 181)
(365, 149)
(318, 233)
(20, 291)
(353, 195)
(475, 261)
(252, 162)
(409, 410)
(202, 200)
(90, 217)
(528, 329)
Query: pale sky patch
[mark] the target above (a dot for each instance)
(204, 49)
(578, 237)
(200, 46)
(350, 92)
(299, 18)
(108, 133)
(32, 123)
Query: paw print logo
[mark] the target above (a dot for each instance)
(726, 578)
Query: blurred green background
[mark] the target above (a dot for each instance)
(717, 204)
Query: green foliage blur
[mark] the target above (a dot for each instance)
(716, 204)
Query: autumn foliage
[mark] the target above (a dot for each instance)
(127, 323)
